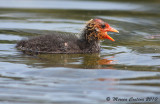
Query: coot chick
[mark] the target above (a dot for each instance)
(88, 41)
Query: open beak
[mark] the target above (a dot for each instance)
(110, 29)
(106, 36)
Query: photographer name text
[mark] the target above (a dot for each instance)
(132, 99)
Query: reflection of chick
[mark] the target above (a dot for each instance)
(106, 61)
(85, 61)
(87, 42)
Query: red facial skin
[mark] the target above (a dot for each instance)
(103, 30)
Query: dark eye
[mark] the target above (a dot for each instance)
(103, 26)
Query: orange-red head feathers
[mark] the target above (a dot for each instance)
(98, 29)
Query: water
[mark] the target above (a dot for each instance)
(128, 67)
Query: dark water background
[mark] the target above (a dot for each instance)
(128, 67)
